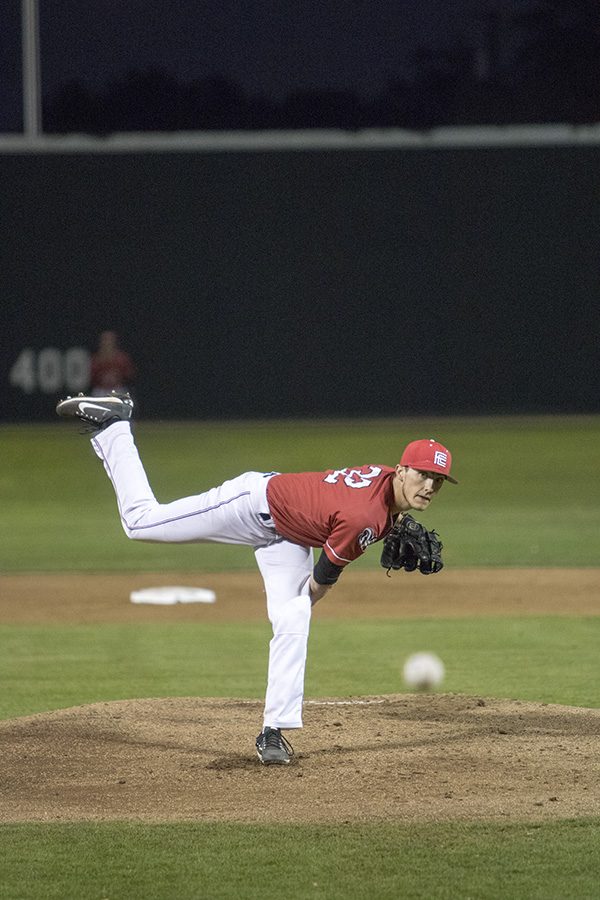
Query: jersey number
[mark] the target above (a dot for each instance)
(354, 478)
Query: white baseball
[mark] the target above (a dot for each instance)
(423, 671)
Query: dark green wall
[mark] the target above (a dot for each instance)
(311, 283)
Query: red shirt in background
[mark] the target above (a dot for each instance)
(110, 372)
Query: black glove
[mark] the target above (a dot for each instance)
(409, 546)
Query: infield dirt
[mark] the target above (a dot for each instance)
(413, 757)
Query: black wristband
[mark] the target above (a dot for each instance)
(326, 572)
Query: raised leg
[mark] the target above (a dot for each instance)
(226, 514)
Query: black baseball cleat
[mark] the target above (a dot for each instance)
(97, 412)
(272, 747)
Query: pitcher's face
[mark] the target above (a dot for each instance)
(415, 488)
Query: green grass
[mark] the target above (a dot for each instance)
(44, 668)
(224, 861)
(528, 497)
(519, 480)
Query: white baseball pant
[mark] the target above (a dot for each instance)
(236, 512)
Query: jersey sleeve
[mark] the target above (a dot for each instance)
(349, 540)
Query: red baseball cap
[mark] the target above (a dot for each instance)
(428, 456)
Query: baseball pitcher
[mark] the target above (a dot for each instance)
(283, 517)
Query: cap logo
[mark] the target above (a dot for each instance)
(440, 459)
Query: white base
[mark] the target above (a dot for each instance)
(169, 596)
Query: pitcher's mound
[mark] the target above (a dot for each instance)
(393, 758)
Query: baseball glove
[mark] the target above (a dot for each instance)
(409, 546)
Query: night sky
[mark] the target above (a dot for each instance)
(268, 47)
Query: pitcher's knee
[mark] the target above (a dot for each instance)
(134, 535)
(292, 616)
(140, 528)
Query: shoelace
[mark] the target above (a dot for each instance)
(275, 739)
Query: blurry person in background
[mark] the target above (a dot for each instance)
(112, 369)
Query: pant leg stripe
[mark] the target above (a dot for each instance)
(196, 512)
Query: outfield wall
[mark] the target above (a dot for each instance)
(308, 282)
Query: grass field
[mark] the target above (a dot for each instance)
(518, 480)
(530, 658)
(528, 496)
(64, 862)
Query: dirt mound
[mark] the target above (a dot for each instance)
(393, 758)
(412, 757)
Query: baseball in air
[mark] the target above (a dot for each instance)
(423, 671)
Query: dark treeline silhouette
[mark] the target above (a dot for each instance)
(553, 75)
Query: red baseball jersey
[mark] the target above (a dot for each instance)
(340, 510)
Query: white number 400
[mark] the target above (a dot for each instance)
(50, 370)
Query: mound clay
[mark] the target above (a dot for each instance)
(405, 757)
